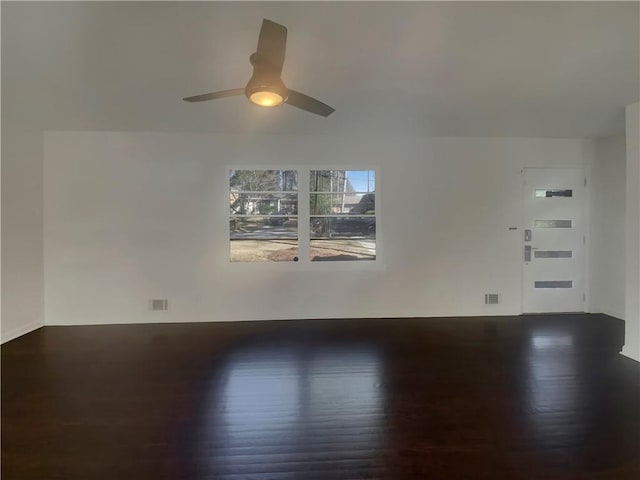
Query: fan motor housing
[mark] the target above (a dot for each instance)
(265, 79)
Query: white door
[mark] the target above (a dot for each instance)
(554, 242)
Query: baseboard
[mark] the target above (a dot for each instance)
(613, 313)
(630, 355)
(18, 332)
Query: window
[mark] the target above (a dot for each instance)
(342, 221)
(338, 225)
(263, 221)
(552, 223)
(545, 193)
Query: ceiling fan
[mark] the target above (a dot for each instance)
(266, 88)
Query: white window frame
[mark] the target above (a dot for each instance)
(304, 261)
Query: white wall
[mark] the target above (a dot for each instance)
(632, 315)
(130, 217)
(22, 255)
(608, 189)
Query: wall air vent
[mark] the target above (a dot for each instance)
(491, 298)
(159, 304)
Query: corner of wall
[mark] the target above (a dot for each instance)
(22, 231)
(632, 302)
(22, 330)
(607, 275)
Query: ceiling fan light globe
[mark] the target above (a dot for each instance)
(266, 98)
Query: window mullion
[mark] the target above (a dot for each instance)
(303, 217)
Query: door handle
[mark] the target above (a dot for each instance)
(527, 235)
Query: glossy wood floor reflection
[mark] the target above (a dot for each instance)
(456, 398)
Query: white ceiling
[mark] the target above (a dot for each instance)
(542, 69)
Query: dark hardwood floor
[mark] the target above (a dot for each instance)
(533, 397)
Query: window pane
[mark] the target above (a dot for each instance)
(263, 203)
(264, 250)
(544, 193)
(343, 238)
(554, 254)
(342, 181)
(342, 249)
(263, 180)
(331, 203)
(554, 284)
(263, 239)
(263, 228)
(343, 227)
(552, 224)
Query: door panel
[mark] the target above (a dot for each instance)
(554, 249)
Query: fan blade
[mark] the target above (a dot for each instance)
(212, 96)
(272, 44)
(309, 104)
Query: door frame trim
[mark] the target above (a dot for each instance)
(586, 264)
